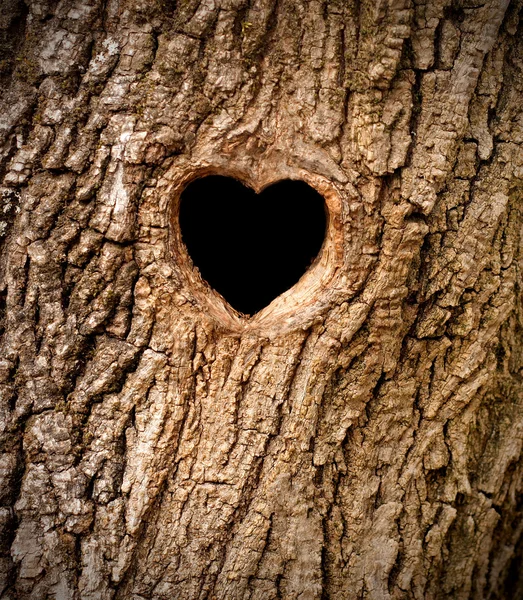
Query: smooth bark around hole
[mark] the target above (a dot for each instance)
(251, 247)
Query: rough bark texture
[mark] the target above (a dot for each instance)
(359, 438)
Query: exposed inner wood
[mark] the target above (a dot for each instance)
(299, 304)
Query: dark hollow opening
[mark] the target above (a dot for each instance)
(251, 247)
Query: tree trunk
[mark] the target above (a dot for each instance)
(360, 437)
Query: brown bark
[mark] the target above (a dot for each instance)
(361, 437)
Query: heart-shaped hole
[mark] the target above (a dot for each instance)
(251, 247)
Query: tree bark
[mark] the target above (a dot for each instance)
(361, 437)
